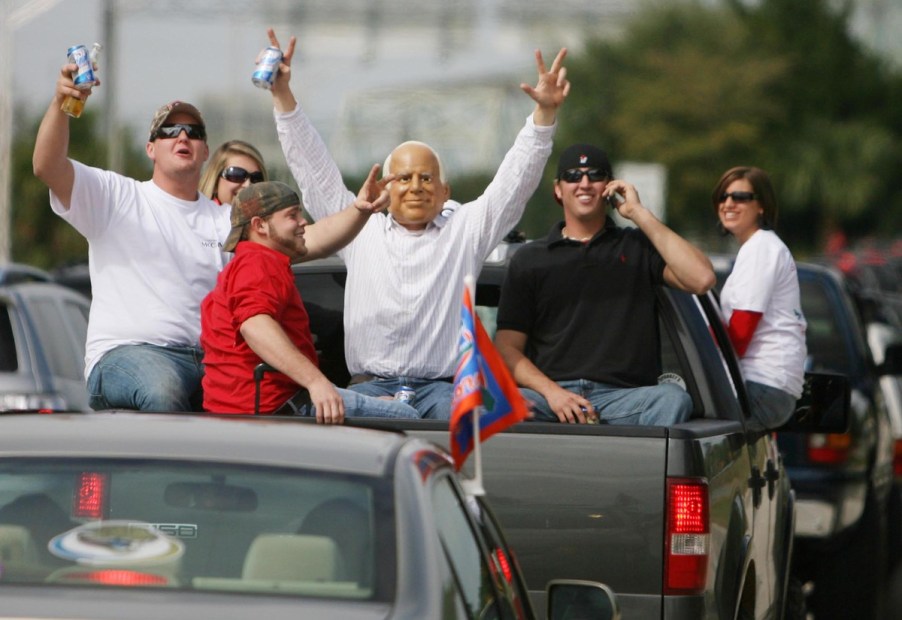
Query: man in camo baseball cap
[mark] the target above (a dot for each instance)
(164, 112)
(257, 200)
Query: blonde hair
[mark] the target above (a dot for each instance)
(209, 180)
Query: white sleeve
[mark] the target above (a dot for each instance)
(94, 196)
(502, 204)
(322, 188)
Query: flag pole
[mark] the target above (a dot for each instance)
(474, 485)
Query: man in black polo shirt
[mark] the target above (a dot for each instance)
(577, 323)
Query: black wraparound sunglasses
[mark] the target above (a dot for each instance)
(194, 132)
(575, 175)
(236, 174)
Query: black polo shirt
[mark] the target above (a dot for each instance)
(588, 309)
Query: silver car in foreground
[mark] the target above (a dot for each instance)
(127, 515)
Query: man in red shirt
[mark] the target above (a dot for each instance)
(255, 313)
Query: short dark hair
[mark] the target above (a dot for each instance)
(761, 186)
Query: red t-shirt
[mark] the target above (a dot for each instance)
(257, 281)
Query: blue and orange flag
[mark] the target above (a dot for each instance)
(484, 390)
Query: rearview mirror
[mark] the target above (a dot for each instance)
(573, 599)
(824, 405)
(210, 496)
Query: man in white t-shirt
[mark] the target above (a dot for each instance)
(154, 250)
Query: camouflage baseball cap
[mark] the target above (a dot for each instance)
(159, 118)
(255, 200)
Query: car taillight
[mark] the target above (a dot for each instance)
(687, 541)
(897, 458)
(90, 495)
(114, 577)
(12, 401)
(830, 449)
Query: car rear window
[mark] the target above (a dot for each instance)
(827, 346)
(196, 526)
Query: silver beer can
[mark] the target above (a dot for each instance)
(267, 68)
(405, 394)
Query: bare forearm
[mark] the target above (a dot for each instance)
(511, 346)
(50, 158)
(268, 340)
(283, 99)
(332, 233)
(690, 268)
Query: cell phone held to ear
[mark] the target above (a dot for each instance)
(613, 200)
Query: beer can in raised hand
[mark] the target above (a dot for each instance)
(83, 76)
(267, 68)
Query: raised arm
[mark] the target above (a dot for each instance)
(688, 268)
(550, 90)
(332, 233)
(282, 97)
(315, 172)
(50, 160)
(267, 339)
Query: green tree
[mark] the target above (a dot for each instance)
(779, 84)
(39, 236)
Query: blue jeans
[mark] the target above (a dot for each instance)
(148, 377)
(653, 405)
(771, 407)
(360, 406)
(432, 399)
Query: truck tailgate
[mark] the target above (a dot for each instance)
(608, 497)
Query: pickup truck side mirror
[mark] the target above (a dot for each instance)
(574, 599)
(892, 360)
(824, 405)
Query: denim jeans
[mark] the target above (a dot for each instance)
(148, 377)
(432, 399)
(360, 406)
(654, 405)
(771, 407)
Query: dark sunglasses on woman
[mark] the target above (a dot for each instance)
(236, 174)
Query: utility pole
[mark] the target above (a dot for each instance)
(108, 72)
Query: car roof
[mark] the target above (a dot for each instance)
(14, 273)
(227, 439)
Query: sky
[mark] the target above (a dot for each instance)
(196, 50)
(202, 51)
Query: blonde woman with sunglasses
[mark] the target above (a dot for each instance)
(233, 166)
(761, 299)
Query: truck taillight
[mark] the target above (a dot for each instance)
(686, 543)
(90, 495)
(897, 458)
(505, 564)
(830, 449)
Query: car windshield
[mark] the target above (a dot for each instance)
(196, 526)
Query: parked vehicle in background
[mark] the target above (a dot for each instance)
(43, 327)
(843, 481)
(147, 516)
(689, 521)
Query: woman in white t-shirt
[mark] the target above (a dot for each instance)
(760, 298)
